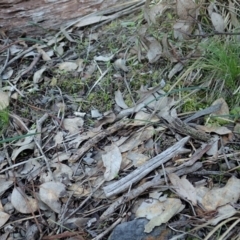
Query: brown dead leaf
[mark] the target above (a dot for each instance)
(184, 188)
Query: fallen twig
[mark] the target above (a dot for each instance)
(156, 181)
(124, 183)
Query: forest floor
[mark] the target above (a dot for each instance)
(124, 125)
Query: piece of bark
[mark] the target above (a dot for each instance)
(135, 176)
(32, 17)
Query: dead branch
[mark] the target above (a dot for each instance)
(124, 183)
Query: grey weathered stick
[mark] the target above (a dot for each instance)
(135, 176)
(156, 181)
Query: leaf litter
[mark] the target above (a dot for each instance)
(102, 140)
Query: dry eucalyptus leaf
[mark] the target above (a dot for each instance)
(37, 77)
(22, 202)
(218, 22)
(223, 213)
(4, 100)
(186, 9)
(112, 162)
(4, 184)
(184, 188)
(3, 216)
(58, 138)
(61, 171)
(73, 125)
(7, 73)
(177, 68)
(120, 64)
(90, 20)
(158, 212)
(217, 197)
(68, 66)
(50, 192)
(154, 50)
(16, 152)
(119, 100)
(26, 140)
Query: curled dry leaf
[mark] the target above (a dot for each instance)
(16, 152)
(22, 202)
(119, 100)
(37, 77)
(50, 192)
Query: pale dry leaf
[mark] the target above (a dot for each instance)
(90, 20)
(103, 58)
(4, 100)
(120, 64)
(44, 55)
(158, 212)
(214, 129)
(7, 73)
(68, 66)
(50, 192)
(213, 151)
(166, 52)
(223, 213)
(138, 159)
(157, 11)
(37, 77)
(217, 197)
(233, 14)
(80, 138)
(80, 63)
(112, 162)
(177, 68)
(4, 184)
(16, 152)
(23, 203)
(141, 118)
(90, 70)
(186, 9)
(31, 167)
(26, 140)
(58, 138)
(3, 216)
(95, 113)
(218, 22)
(223, 112)
(59, 49)
(136, 139)
(60, 156)
(119, 100)
(184, 188)
(61, 170)
(181, 29)
(154, 50)
(73, 125)
(78, 189)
